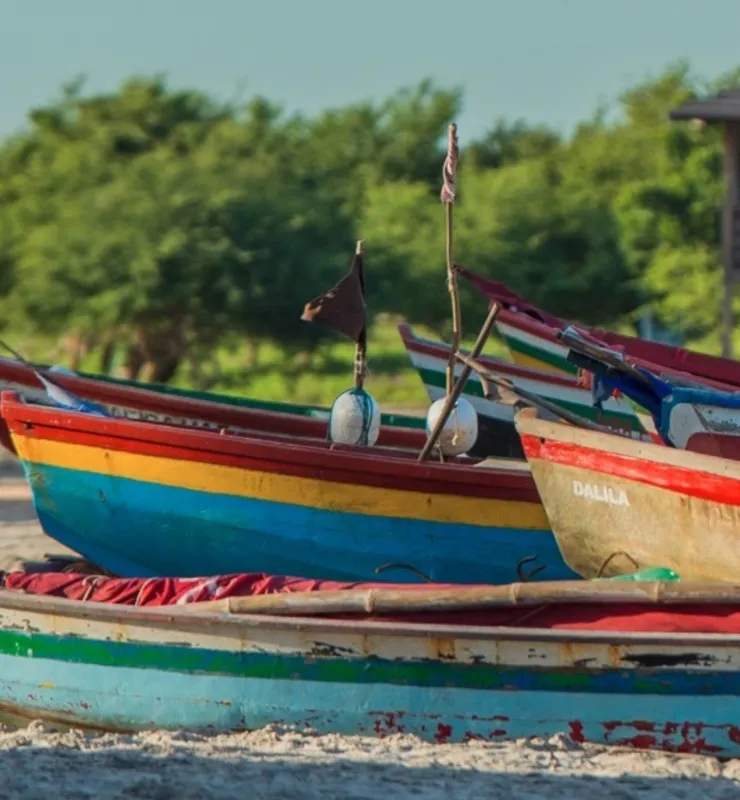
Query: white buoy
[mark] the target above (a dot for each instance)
(460, 430)
(354, 419)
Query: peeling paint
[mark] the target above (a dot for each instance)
(326, 649)
(443, 734)
(656, 660)
(387, 723)
(442, 648)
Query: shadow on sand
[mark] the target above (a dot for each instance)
(162, 766)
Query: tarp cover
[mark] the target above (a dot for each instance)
(175, 591)
(170, 591)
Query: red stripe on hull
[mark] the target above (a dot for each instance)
(692, 483)
(373, 467)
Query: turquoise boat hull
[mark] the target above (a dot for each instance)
(131, 669)
(136, 528)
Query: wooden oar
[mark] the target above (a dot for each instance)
(395, 601)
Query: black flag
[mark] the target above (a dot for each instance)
(343, 306)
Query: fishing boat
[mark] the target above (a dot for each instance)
(530, 334)
(141, 499)
(643, 665)
(616, 505)
(496, 415)
(200, 410)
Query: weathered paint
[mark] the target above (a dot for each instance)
(140, 502)
(660, 506)
(129, 669)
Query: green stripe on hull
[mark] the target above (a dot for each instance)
(539, 353)
(475, 389)
(323, 665)
(297, 409)
(278, 666)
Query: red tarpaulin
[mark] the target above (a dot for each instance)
(169, 591)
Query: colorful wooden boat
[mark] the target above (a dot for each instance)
(628, 673)
(144, 499)
(200, 410)
(497, 416)
(529, 333)
(618, 505)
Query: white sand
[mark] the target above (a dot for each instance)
(279, 764)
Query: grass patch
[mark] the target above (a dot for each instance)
(391, 379)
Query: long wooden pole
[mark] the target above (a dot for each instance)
(732, 191)
(448, 198)
(361, 346)
(531, 398)
(378, 601)
(454, 299)
(460, 385)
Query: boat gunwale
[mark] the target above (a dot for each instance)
(43, 422)
(188, 620)
(520, 320)
(173, 405)
(530, 424)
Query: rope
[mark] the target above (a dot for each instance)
(367, 408)
(360, 365)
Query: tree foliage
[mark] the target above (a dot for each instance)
(170, 223)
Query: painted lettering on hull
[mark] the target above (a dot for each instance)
(122, 412)
(600, 493)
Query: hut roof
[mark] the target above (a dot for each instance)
(722, 107)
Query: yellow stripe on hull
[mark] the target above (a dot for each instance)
(290, 489)
(528, 361)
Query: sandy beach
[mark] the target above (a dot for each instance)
(39, 761)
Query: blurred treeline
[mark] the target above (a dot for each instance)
(162, 226)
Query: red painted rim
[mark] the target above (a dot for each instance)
(605, 465)
(264, 452)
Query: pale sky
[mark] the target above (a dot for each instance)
(542, 60)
